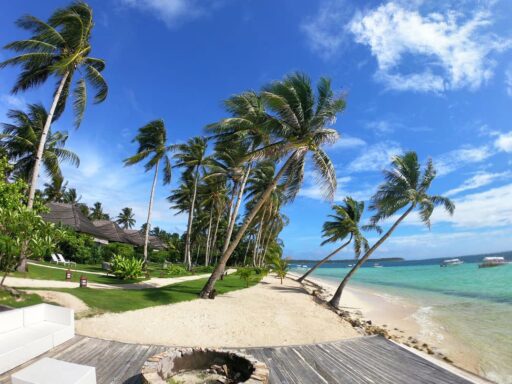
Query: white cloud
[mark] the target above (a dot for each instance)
(105, 179)
(381, 126)
(455, 49)
(459, 158)
(313, 190)
(325, 31)
(12, 101)
(488, 209)
(478, 180)
(346, 142)
(174, 12)
(375, 157)
(504, 142)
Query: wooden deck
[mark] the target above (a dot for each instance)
(372, 360)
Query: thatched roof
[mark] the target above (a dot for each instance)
(70, 216)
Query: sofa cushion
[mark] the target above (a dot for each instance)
(34, 314)
(11, 320)
(60, 315)
(19, 337)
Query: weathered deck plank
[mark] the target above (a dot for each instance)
(365, 360)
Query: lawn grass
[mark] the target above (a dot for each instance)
(42, 273)
(25, 300)
(118, 300)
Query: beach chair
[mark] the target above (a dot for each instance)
(64, 261)
(55, 259)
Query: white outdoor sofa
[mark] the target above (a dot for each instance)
(31, 331)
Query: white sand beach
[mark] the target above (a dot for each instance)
(267, 314)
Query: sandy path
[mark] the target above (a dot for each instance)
(64, 299)
(265, 315)
(155, 282)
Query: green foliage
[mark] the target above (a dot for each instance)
(126, 267)
(78, 247)
(177, 270)
(245, 274)
(22, 231)
(111, 249)
(280, 266)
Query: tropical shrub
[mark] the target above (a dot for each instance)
(280, 266)
(126, 267)
(22, 231)
(78, 247)
(245, 274)
(177, 270)
(120, 249)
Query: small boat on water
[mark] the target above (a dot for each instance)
(377, 265)
(492, 261)
(451, 262)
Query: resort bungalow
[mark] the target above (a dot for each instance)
(103, 231)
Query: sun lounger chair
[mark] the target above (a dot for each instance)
(55, 259)
(64, 261)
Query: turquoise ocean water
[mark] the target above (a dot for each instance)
(472, 304)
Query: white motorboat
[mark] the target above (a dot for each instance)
(451, 262)
(492, 261)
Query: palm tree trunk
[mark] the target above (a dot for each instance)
(321, 262)
(219, 270)
(214, 240)
(335, 300)
(207, 253)
(42, 142)
(246, 251)
(231, 201)
(237, 207)
(150, 209)
(257, 242)
(188, 259)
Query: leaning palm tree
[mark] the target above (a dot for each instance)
(191, 156)
(297, 119)
(126, 218)
(405, 187)
(345, 223)
(60, 48)
(21, 139)
(152, 139)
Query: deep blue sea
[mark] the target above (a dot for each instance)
(472, 304)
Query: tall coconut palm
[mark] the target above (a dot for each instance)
(406, 187)
(59, 47)
(191, 156)
(345, 223)
(70, 196)
(126, 218)
(297, 119)
(21, 139)
(152, 140)
(97, 212)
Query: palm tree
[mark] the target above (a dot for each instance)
(60, 48)
(280, 266)
(97, 212)
(126, 218)
(21, 139)
(70, 196)
(55, 190)
(345, 224)
(298, 124)
(405, 187)
(152, 139)
(192, 157)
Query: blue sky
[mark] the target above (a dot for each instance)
(434, 77)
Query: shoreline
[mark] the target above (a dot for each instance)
(398, 319)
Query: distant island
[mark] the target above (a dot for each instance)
(381, 260)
